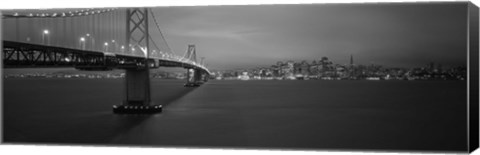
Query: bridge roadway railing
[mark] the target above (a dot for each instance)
(27, 55)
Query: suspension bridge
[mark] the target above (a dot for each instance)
(98, 39)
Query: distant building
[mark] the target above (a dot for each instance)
(302, 68)
(288, 69)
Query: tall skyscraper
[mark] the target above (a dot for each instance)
(351, 69)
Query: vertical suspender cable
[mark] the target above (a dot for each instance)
(84, 22)
(21, 27)
(81, 29)
(58, 31)
(112, 31)
(29, 29)
(36, 32)
(49, 28)
(91, 31)
(74, 32)
(96, 31)
(64, 38)
(69, 37)
(115, 26)
(110, 38)
(102, 30)
(17, 29)
(107, 30)
(121, 23)
(43, 27)
(55, 30)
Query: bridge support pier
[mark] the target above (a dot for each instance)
(194, 77)
(137, 94)
(205, 77)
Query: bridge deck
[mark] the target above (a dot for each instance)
(27, 55)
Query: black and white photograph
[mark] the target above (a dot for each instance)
(359, 77)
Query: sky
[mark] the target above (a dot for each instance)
(394, 35)
(249, 36)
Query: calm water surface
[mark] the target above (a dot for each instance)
(388, 115)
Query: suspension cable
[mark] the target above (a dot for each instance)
(161, 34)
(73, 13)
(155, 44)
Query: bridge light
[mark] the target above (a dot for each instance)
(82, 43)
(123, 47)
(113, 41)
(106, 46)
(88, 34)
(45, 32)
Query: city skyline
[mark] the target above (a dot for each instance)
(351, 61)
(326, 69)
(403, 35)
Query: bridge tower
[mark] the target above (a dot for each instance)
(194, 75)
(204, 76)
(137, 78)
(191, 53)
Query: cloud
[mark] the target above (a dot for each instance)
(400, 35)
(215, 34)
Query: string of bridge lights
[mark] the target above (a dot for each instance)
(75, 13)
(91, 11)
